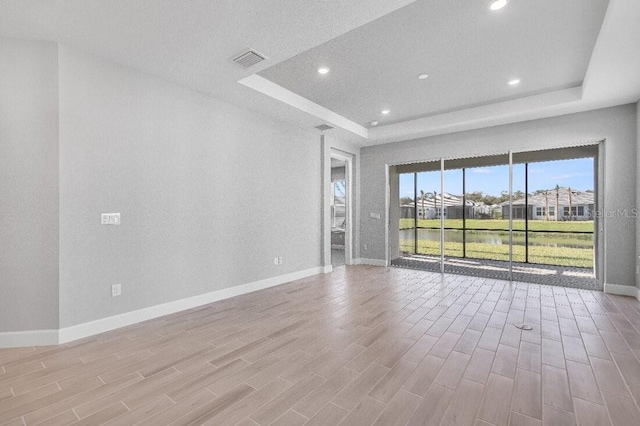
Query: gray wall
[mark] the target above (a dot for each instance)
(637, 262)
(28, 186)
(205, 191)
(209, 193)
(617, 125)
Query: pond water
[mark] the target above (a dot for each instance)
(494, 237)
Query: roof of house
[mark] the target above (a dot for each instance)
(449, 200)
(577, 198)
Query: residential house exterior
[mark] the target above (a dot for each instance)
(571, 205)
(432, 205)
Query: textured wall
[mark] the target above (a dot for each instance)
(209, 193)
(28, 186)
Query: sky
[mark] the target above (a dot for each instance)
(576, 174)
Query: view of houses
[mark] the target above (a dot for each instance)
(557, 204)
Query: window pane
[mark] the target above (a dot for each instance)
(428, 200)
(565, 187)
(407, 213)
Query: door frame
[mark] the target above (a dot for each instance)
(348, 175)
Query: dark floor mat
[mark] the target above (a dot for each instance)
(525, 272)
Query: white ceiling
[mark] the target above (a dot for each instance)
(468, 52)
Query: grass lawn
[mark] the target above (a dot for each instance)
(562, 256)
(503, 224)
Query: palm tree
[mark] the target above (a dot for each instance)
(424, 216)
(570, 206)
(557, 200)
(546, 204)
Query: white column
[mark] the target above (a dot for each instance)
(511, 215)
(442, 215)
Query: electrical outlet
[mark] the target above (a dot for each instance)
(366, 247)
(279, 260)
(275, 261)
(116, 290)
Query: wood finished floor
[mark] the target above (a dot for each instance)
(363, 345)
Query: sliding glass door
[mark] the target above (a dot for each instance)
(562, 208)
(419, 230)
(531, 211)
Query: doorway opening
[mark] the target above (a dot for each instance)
(339, 211)
(527, 216)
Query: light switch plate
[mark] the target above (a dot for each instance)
(110, 218)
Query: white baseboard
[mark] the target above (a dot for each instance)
(622, 290)
(68, 334)
(327, 269)
(372, 262)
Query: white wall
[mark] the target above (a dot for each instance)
(209, 193)
(617, 125)
(28, 186)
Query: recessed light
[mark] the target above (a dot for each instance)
(323, 70)
(514, 82)
(497, 4)
(374, 123)
(385, 111)
(423, 76)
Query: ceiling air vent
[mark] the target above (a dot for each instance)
(248, 58)
(324, 127)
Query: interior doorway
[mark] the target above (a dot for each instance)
(338, 210)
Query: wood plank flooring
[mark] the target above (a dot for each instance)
(360, 346)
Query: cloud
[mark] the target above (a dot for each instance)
(482, 171)
(566, 176)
